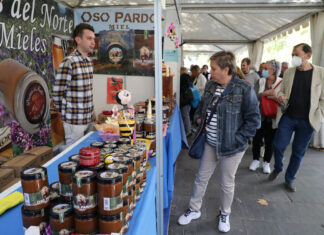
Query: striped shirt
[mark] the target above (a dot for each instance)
(211, 128)
(72, 91)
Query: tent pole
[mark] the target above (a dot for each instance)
(158, 114)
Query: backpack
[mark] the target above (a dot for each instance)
(196, 96)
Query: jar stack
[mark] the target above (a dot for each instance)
(97, 190)
(36, 191)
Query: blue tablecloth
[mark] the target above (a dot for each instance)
(144, 218)
(172, 144)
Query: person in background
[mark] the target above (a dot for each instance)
(284, 67)
(268, 86)
(251, 75)
(302, 94)
(198, 80)
(72, 91)
(240, 74)
(205, 72)
(234, 121)
(261, 68)
(183, 70)
(186, 97)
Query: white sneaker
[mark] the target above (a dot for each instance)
(188, 216)
(224, 224)
(254, 165)
(266, 168)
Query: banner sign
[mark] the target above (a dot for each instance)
(26, 35)
(116, 19)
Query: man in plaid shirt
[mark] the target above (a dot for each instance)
(72, 91)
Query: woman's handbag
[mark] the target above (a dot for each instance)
(269, 107)
(198, 146)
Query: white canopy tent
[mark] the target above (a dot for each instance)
(213, 25)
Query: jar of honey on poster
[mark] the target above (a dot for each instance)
(57, 51)
(25, 94)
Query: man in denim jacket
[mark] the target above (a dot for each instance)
(234, 121)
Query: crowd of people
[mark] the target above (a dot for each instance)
(238, 105)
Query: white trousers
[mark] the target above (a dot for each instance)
(75, 132)
(227, 170)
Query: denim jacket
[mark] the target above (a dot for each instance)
(238, 116)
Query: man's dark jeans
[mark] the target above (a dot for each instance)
(303, 133)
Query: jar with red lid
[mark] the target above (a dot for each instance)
(84, 191)
(89, 156)
(110, 186)
(66, 170)
(35, 188)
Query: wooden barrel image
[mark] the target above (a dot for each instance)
(25, 94)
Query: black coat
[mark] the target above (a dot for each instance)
(185, 91)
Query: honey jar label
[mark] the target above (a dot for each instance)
(66, 190)
(109, 175)
(83, 202)
(125, 193)
(130, 179)
(62, 231)
(113, 203)
(38, 198)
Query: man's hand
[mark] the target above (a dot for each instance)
(198, 121)
(282, 99)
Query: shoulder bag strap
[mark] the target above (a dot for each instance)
(227, 89)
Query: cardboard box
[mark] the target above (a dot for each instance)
(20, 163)
(6, 176)
(44, 153)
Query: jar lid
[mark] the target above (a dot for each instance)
(110, 217)
(32, 212)
(97, 144)
(118, 167)
(34, 173)
(60, 211)
(108, 177)
(149, 121)
(106, 150)
(68, 166)
(111, 142)
(85, 216)
(99, 167)
(111, 146)
(124, 141)
(55, 186)
(121, 151)
(74, 158)
(89, 151)
(123, 160)
(84, 176)
(134, 156)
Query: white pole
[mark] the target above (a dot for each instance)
(158, 114)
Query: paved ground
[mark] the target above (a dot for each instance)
(299, 213)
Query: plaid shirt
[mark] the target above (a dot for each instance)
(72, 91)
